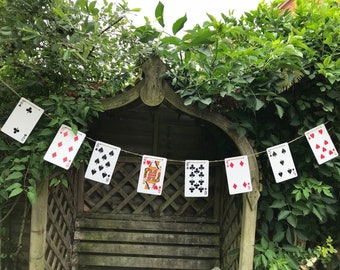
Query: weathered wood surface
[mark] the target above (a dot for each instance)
(38, 228)
(146, 244)
(247, 225)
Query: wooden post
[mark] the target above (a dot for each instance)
(38, 228)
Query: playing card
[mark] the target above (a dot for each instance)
(282, 162)
(102, 162)
(196, 178)
(22, 120)
(64, 147)
(238, 175)
(151, 175)
(321, 144)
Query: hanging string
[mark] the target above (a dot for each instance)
(10, 88)
(256, 154)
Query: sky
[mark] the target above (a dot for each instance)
(194, 9)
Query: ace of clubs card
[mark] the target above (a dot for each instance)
(196, 178)
(321, 144)
(64, 147)
(151, 175)
(238, 175)
(102, 162)
(282, 162)
(22, 120)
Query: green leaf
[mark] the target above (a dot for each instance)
(292, 220)
(15, 192)
(13, 186)
(278, 237)
(14, 176)
(259, 104)
(32, 196)
(279, 110)
(179, 24)
(278, 204)
(283, 214)
(159, 13)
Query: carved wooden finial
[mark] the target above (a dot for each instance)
(152, 92)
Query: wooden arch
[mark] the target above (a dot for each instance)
(153, 91)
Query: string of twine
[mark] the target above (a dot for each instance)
(256, 154)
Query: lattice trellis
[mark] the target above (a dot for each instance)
(231, 232)
(121, 197)
(60, 227)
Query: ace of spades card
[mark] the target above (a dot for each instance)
(64, 147)
(196, 178)
(22, 120)
(321, 144)
(102, 162)
(238, 175)
(282, 162)
(151, 175)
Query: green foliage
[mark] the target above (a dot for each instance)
(65, 56)
(275, 75)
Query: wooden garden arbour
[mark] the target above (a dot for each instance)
(153, 91)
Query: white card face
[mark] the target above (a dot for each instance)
(196, 178)
(238, 175)
(321, 144)
(64, 147)
(282, 162)
(102, 162)
(151, 175)
(22, 120)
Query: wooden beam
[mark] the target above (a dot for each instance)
(38, 228)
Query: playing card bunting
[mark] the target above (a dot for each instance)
(22, 120)
(282, 163)
(66, 144)
(321, 144)
(151, 175)
(102, 162)
(64, 147)
(196, 178)
(238, 175)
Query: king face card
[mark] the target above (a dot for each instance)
(22, 120)
(321, 144)
(196, 178)
(238, 175)
(64, 147)
(102, 162)
(282, 162)
(151, 175)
